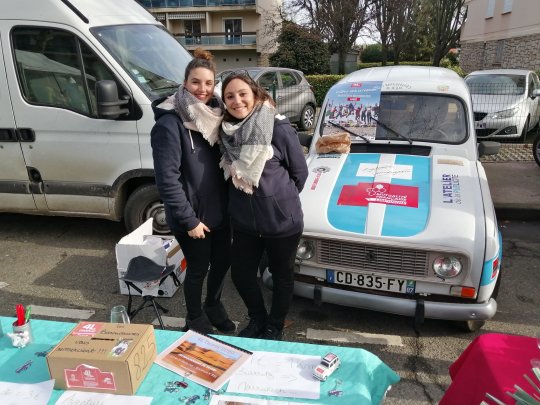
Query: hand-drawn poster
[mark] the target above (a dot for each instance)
(353, 108)
(206, 360)
(277, 374)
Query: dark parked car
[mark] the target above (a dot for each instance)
(288, 87)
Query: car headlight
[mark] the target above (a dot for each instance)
(306, 249)
(504, 113)
(447, 266)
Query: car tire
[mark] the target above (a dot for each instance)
(307, 118)
(524, 131)
(142, 204)
(536, 148)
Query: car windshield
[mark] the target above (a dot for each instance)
(149, 54)
(496, 84)
(400, 117)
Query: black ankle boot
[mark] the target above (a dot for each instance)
(254, 328)
(271, 332)
(219, 318)
(200, 324)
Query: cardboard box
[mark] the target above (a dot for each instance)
(162, 250)
(111, 358)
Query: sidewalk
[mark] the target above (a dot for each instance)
(514, 182)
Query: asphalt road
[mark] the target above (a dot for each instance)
(69, 263)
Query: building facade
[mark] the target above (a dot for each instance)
(239, 33)
(501, 34)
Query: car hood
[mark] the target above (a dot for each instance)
(431, 201)
(492, 103)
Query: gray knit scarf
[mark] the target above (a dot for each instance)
(198, 116)
(246, 146)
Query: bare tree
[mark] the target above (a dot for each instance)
(383, 14)
(403, 27)
(447, 16)
(338, 22)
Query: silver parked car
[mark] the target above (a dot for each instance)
(289, 88)
(506, 102)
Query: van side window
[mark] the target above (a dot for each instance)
(56, 69)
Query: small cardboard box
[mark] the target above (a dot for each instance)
(162, 250)
(111, 358)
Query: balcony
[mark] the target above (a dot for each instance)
(194, 3)
(218, 38)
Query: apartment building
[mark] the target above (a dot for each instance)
(238, 32)
(501, 34)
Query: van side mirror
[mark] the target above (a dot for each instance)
(108, 103)
(486, 148)
(535, 93)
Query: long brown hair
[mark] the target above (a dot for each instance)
(201, 58)
(259, 94)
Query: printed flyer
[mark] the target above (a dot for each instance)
(354, 108)
(203, 359)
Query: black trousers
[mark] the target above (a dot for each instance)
(211, 256)
(247, 251)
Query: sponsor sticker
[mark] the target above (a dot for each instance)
(363, 194)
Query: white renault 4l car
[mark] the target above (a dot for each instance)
(403, 222)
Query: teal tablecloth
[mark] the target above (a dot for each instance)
(364, 377)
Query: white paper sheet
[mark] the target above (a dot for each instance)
(24, 394)
(277, 374)
(238, 400)
(96, 398)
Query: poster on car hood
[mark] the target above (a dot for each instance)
(353, 107)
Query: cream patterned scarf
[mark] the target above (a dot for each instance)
(196, 115)
(246, 147)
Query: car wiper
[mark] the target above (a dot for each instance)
(392, 130)
(168, 86)
(349, 131)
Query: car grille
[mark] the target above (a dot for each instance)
(479, 116)
(357, 256)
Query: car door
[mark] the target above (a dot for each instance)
(270, 82)
(15, 186)
(75, 155)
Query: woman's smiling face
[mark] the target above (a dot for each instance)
(239, 98)
(201, 83)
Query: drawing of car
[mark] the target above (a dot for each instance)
(327, 366)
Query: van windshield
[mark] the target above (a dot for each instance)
(149, 54)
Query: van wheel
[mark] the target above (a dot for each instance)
(307, 118)
(142, 204)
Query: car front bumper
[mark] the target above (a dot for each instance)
(392, 304)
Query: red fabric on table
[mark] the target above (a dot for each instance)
(492, 363)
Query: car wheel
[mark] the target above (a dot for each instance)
(524, 131)
(536, 149)
(142, 204)
(307, 118)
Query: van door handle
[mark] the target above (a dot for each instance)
(8, 135)
(26, 134)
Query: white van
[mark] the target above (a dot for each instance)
(77, 78)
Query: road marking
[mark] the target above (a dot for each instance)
(353, 337)
(62, 312)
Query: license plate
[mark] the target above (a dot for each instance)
(372, 282)
(480, 125)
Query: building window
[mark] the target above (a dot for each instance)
(192, 29)
(233, 31)
(507, 8)
(499, 52)
(490, 9)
